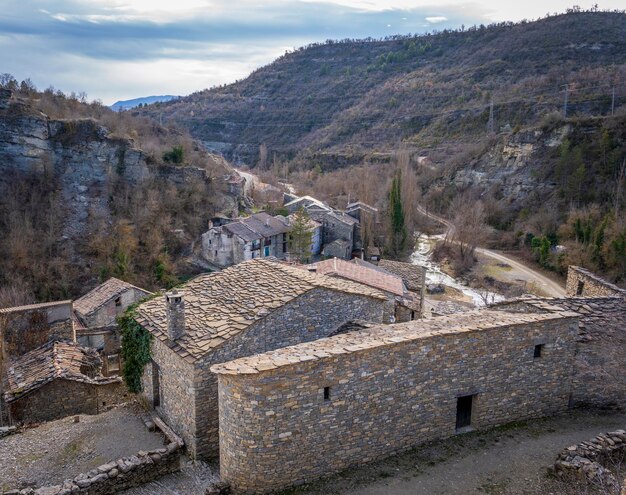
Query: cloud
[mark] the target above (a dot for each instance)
(436, 19)
(118, 49)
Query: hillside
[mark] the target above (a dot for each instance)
(86, 194)
(338, 103)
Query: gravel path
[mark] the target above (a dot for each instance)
(511, 460)
(62, 449)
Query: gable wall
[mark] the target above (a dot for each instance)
(312, 316)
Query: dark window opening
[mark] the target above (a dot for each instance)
(326, 393)
(538, 351)
(580, 288)
(156, 385)
(104, 404)
(118, 301)
(464, 411)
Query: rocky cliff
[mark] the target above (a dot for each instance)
(90, 172)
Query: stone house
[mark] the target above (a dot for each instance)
(413, 276)
(298, 413)
(316, 235)
(56, 380)
(257, 236)
(95, 316)
(407, 306)
(24, 328)
(252, 307)
(367, 217)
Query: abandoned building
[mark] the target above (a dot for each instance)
(257, 236)
(255, 306)
(58, 379)
(342, 232)
(95, 316)
(324, 405)
(407, 305)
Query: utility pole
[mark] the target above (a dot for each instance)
(613, 102)
(565, 103)
(490, 124)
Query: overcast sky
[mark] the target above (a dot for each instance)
(122, 49)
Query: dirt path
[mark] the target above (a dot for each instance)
(546, 285)
(510, 460)
(63, 449)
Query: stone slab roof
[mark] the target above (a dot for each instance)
(380, 336)
(309, 200)
(220, 305)
(29, 307)
(100, 295)
(362, 273)
(411, 274)
(257, 226)
(54, 360)
(599, 280)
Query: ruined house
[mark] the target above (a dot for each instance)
(249, 308)
(24, 328)
(407, 305)
(257, 236)
(55, 380)
(95, 316)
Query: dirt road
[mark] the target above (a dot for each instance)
(546, 285)
(510, 460)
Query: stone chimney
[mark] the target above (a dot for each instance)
(175, 311)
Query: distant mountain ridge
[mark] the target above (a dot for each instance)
(339, 103)
(145, 100)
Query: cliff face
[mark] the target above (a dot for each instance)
(91, 173)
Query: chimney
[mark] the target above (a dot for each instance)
(175, 311)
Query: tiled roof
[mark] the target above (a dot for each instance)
(29, 307)
(309, 200)
(220, 305)
(360, 273)
(359, 204)
(411, 274)
(66, 360)
(380, 336)
(101, 294)
(342, 217)
(257, 226)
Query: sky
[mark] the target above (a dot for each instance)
(122, 49)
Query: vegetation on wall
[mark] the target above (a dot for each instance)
(136, 347)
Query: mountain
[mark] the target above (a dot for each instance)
(146, 100)
(87, 193)
(337, 103)
(525, 118)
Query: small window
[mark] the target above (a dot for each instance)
(326, 393)
(580, 288)
(538, 351)
(118, 301)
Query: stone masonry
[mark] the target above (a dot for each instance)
(252, 307)
(302, 412)
(581, 282)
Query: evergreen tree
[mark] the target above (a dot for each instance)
(396, 210)
(300, 237)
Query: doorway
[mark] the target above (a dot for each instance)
(464, 411)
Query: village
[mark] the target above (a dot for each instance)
(304, 352)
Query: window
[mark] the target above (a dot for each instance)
(538, 351)
(156, 385)
(113, 362)
(326, 393)
(580, 288)
(268, 242)
(118, 301)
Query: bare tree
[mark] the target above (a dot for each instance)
(469, 228)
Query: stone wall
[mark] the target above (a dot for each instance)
(122, 474)
(25, 328)
(588, 460)
(61, 398)
(314, 315)
(599, 378)
(299, 413)
(581, 282)
(106, 314)
(177, 396)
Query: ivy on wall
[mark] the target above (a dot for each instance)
(136, 344)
